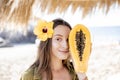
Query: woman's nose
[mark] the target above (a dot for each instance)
(65, 45)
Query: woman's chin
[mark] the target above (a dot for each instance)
(63, 57)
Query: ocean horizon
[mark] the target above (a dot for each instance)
(105, 35)
(99, 36)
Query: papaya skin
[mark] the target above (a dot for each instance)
(80, 66)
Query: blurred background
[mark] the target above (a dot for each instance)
(18, 45)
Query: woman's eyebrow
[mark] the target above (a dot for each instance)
(58, 35)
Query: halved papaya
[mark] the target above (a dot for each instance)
(80, 47)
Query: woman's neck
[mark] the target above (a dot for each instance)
(56, 64)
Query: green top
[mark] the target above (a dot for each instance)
(31, 74)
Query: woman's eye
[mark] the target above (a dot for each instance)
(58, 39)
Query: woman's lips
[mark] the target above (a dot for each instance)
(63, 51)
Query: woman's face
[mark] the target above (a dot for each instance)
(60, 48)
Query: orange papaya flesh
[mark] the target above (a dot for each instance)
(80, 45)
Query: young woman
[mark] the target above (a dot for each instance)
(53, 62)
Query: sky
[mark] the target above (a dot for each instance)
(97, 19)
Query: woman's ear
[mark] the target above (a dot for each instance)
(69, 57)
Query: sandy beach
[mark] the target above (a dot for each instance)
(104, 63)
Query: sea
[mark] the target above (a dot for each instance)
(99, 36)
(105, 35)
